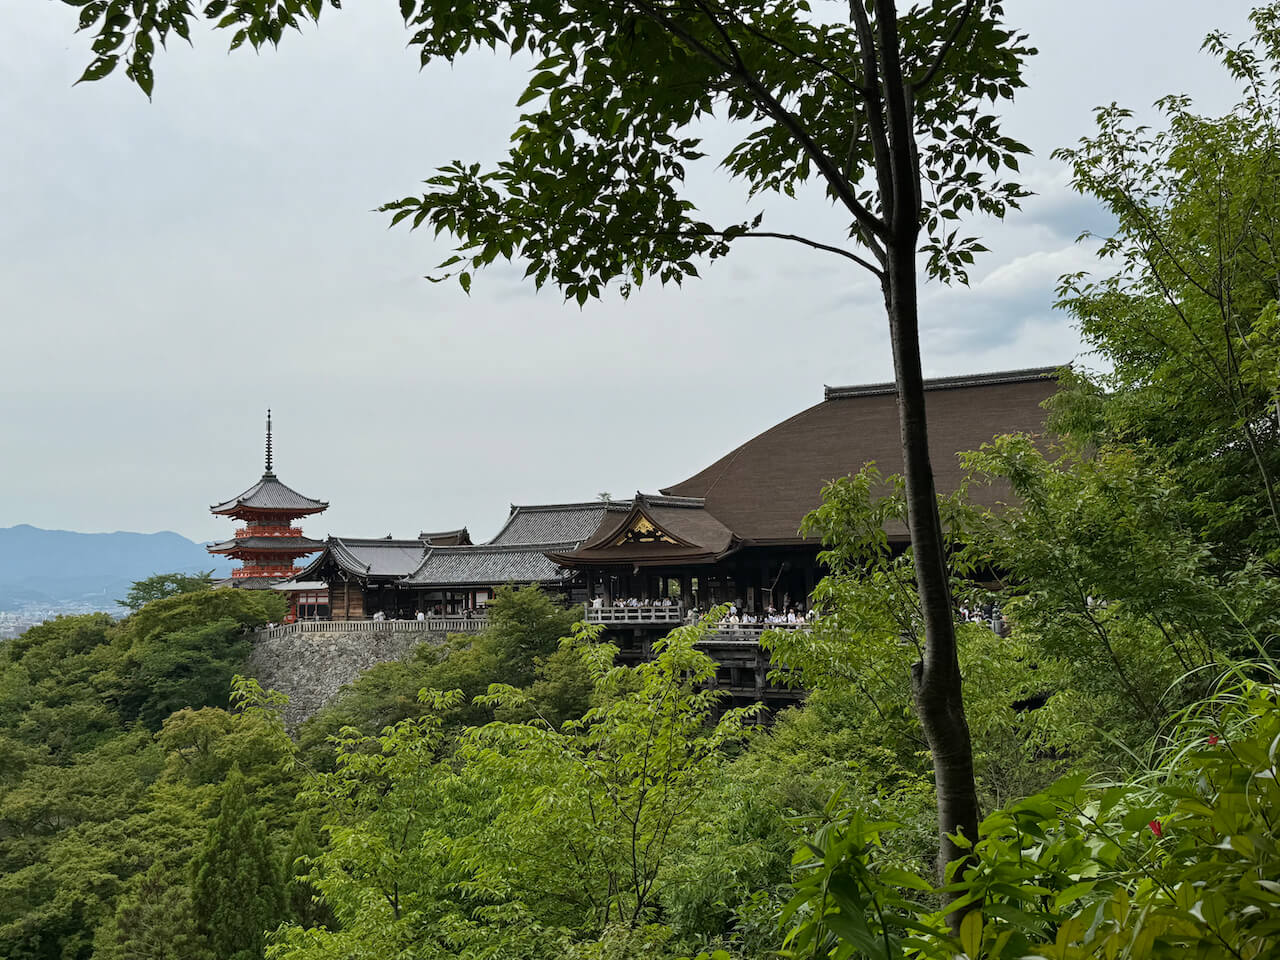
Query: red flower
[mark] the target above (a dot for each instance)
(1213, 739)
(1156, 828)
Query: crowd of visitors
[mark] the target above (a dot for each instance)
(598, 602)
(736, 615)
(771, 617)
(421, 615)
(987, 614)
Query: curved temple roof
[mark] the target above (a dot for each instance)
(762, 490)
(556, 522)
(487, 565)
(363, 557)
(447, 538)
(656, 530)
(269, 494)
(293, 545)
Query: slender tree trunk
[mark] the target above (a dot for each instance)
(935, 679)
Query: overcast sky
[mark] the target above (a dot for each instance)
(170, 269)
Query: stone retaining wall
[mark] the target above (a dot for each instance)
(310, 668)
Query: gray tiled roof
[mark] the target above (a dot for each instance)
(249, 583)
(556, 522)
(447, 538)
(487, 565)
(270, 494)
(278, 544)
(376, 558)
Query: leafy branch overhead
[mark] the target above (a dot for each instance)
(593, 189)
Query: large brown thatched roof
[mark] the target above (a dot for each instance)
(763, 489)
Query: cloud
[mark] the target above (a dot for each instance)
(1001, 309)
(169, 269)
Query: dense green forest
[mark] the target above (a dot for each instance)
(518, 795)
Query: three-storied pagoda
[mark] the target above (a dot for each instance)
(268, 543)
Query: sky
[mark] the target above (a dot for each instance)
(170, 269)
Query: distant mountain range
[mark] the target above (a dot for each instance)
(58, 568)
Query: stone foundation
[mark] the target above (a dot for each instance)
(310, 668)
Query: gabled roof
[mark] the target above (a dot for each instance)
(656, 529)
(270, 494)
(446, 538)
(487, 565)
(363, 557)
(763, 489)
(551, 523)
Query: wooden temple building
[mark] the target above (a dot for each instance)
(727, 534)
(357, 577)
(730, 533)
(268, 545)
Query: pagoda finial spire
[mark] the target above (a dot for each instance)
(268, 439)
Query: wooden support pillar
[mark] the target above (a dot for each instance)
(761, 671)
(686, 590)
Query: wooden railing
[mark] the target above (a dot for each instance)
(746, 632)
(623, 615)
(429, 625)
(258, 570)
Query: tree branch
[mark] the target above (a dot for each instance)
(770, 105)
(866, 264)
(900, 108)
(814, 62)
(874, 107)
(947, 44)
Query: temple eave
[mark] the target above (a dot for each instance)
(250, 546)
(609, 559)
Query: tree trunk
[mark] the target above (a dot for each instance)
(935, 680)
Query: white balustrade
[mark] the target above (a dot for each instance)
(750, 633)
(623, 614)
(428, 625)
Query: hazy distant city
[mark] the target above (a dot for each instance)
(16, 622)
(51, 573)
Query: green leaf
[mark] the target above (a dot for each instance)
(99, 68)
(971, 933)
